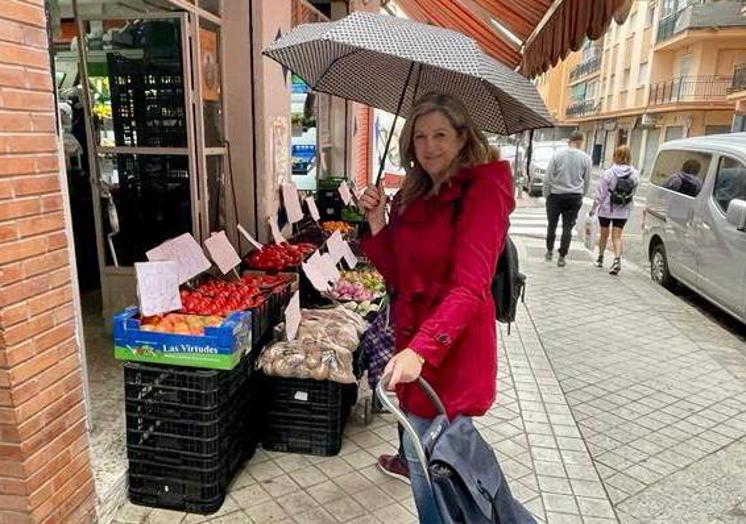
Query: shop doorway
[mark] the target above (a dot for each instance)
(139, 88)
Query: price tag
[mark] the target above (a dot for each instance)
(184, 250)
(248, 237)
(344, 192)
(292, 202)
(158, 286)
(335, 243)
(349, 256)
(318, 281)
(292, 317)
(312, 209)
(275, 229)
(329, 268)
(222, 252)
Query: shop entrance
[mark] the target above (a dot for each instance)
(139, 88)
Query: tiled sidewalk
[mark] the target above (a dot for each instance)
(617, 402)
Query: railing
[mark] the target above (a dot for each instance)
(667, 27)
(586, 107)
(587, 67)
(690, 89)
(739, 77)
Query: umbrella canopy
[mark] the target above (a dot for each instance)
(387, 62)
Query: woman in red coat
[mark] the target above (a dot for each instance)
(438, 254)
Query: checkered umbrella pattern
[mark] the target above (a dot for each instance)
(388, 62)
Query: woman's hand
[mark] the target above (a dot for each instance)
(403, 368)
(373, 205)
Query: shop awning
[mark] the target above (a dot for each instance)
(542, 32)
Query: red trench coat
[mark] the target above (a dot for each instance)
(438, 258)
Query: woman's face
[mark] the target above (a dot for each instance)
(436, 144)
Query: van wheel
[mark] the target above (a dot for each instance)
(659, 267)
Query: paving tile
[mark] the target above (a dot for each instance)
(279, 486)
(165, 516)
(373, 499)
(555, 485)
(250, 496)
(236, 517)
(308, 476)
(353, 482)
(345, 509)
(593, 507)
(395, 514)
(315, 516)
(563, 518)
(326, 492)
(269, 511)
(132, 513)
(559, 503)
(297, 502)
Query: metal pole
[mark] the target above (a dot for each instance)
(393, 126)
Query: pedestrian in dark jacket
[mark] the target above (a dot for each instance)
(438, 254)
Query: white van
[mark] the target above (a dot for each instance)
(694, 225)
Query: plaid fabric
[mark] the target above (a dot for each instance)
(377, 346)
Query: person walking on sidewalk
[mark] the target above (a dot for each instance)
(438, 254)
(614, 202)
(566, 182)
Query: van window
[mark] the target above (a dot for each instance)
(681, 171)
(730, 182)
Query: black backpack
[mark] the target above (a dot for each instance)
(508, 283)
(624, 190)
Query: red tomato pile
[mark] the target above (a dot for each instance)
(217, 297)
(277, 257)
(220, 298)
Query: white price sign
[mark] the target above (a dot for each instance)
(313, 209)
(344, 192)
(184, 250)
(292, 317)
(292, 202)
(248, 237)
(275, 229)
(158, 286)
(222, 252)
(336, 245)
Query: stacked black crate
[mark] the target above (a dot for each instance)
(305, 415)
(188, 433)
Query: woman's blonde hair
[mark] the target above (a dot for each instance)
(622, 155)
(476, 150)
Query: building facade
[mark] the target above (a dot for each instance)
(668, 72)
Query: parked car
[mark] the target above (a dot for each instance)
(542, 153)
(694, 225)
(514, 154)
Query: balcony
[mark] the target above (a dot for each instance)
(583, 108)
(690, 89)
(587, 67)
(739, 79)
(701, 15)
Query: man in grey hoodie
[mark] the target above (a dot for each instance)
(566, 182)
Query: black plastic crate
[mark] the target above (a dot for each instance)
(176, 494)
(185, 387)
(305, 415)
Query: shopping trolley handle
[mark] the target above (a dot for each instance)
(381, 391)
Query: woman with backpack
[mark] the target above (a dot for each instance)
(614, 202)
(438, 253)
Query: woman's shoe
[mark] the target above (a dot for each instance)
(616, 267)
(599, 262)
(394, 466)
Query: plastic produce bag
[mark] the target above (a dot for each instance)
(322, 350)
(590, 231)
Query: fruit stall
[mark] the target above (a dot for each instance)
(226, 352)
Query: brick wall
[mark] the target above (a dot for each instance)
(45, 472)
